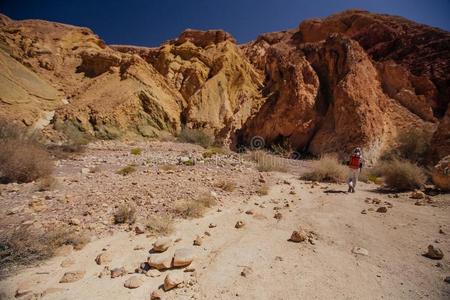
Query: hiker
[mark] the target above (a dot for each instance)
(355, 165)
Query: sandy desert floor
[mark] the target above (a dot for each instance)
(255, 261)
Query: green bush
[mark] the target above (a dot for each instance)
(126, 170)
(136, 151)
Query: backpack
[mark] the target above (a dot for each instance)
(355, 161)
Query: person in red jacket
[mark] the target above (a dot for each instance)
(355, 165)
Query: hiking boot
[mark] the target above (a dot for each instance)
(353, 190)
(349, 189)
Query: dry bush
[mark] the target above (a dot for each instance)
(267, 163)
(126, 170)
(194, 208)
(159, 225)
(263, 190)
(136, 151)
(210, 152)
(165, 136)
(196, 136)
(26, 245)
(326, 169)
(411, 145)
(401, 175)
(125, 213)
(23, 161)
(226, 185)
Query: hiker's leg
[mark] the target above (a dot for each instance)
(355, 178)
(349, 181)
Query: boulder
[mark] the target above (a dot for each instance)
(139, 228)
(183, 257)
(118, 272)
(198, 241)
(382, 209)
(162, 244)
(417, 195)
(441, 174)
(239, 224)
(298, 236)
(133, 282)
(434, 253)
(160, 261)
(156, 295)
(72, 276)
(173, 280)
(103, 258)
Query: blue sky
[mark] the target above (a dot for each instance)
(149, 23)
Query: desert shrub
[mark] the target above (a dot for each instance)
(401, 175)
(159, 225)
(126, 170)
(165, 136)
(411, 145)
(210, 152)
(136, 151)
(23, 161)
(326, 169)
(196, 136)
(226, 185)
(267, 163)
(194, 208)
(263, 190)
(125, 213)
(26, 245)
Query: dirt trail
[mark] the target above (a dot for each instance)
(394, 268)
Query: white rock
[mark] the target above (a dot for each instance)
(183, 257)
(360, 251)
(162, 244)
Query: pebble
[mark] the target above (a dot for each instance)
(133, 282)
(162, 244)
(72, 276)
(360, 251)
(172, 280)
(239, 224)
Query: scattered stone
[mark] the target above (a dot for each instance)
(447, 279)
(160, 261)
(246, 271)
(133, 282)
(207, 233)
(298, 236)
(74, 222)
(417, 195)
(419, 203)
(139, 229)
(278, 216)
(103, 258)
(105, 272)
(85, 171)
(172, 280)
(138, 247)
(162, 244)
(183, 257)
(72, 276)
(198, 241)
(156, 295)
(441, 231)
(153, 273)
(250, 212)
(239, 224)
(118, 272)
(360, 251)
(376, 201)
(67, 262)
(212, 225)
(382, 209)
(434, 253)
(364, 212)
